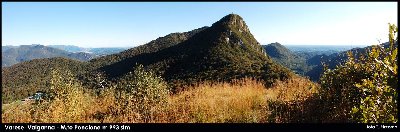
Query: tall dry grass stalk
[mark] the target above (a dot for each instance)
(294, 100)
(16, 112)
(296, 88)
(241, 101)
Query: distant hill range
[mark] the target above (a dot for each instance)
(15, 54)
(335, 59)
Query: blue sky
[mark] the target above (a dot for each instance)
(128, 24)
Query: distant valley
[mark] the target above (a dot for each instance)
(100, 51)
(306, 60)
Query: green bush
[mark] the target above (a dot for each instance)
(144, 91)
(68, 100)
(379, 95)
(363, 89)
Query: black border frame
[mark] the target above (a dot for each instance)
(211, 126)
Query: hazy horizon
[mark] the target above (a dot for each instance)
(287, 45)
(130, 24)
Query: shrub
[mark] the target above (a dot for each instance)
(69, 102)
(363, 89)
(378, 93)
(144, 92)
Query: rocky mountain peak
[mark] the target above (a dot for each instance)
(233, 22)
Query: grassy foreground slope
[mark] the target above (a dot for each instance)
(245, 100)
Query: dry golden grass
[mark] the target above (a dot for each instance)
(16, 112)
(110, 110)
(296, 88)
(245, 100)
(293, 101)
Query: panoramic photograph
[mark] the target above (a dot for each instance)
(199, 62)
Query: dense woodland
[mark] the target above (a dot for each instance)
(211, 74)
